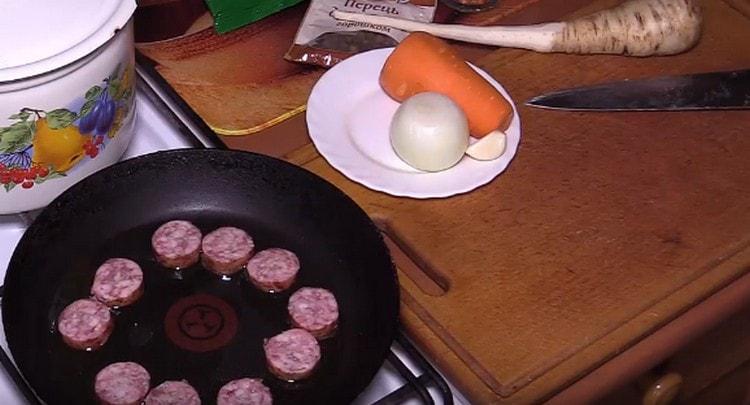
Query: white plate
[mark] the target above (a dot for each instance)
(348, 117)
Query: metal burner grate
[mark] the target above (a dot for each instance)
(417, 386)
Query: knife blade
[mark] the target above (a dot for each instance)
(729, 90)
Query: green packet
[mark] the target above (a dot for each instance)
(232, 14)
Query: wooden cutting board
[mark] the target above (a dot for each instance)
(605, 226)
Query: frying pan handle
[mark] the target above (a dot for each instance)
(419, 270)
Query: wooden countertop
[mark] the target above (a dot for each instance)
(606, 231)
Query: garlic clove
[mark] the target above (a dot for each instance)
(489, 147)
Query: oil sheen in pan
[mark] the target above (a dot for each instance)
(193, 324)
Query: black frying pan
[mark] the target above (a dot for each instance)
(113, 213)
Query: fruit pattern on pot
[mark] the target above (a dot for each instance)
(43, 145)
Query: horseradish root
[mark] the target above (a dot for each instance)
(636, 27)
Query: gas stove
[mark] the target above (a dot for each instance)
(165, 122)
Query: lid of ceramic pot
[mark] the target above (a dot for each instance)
(38, 36)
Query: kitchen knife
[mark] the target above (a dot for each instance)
(728, 90)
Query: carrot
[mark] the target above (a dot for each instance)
(635, 28)
(422, 62)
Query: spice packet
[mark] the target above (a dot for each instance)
(324, 41)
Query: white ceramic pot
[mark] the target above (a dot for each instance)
(67, 93)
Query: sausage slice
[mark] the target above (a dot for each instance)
(177, 244)
(273, 270)
(245, 391)
(123, 383)
(226, 250)
(118, 282)
(292, 355)
(315, 310)
(173, 393)
(85, 324)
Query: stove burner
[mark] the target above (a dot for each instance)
(200, 323)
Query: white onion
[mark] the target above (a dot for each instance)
(429, 132)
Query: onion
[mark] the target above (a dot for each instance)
(429, 132)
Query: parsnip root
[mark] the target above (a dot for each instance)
(636, 28)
